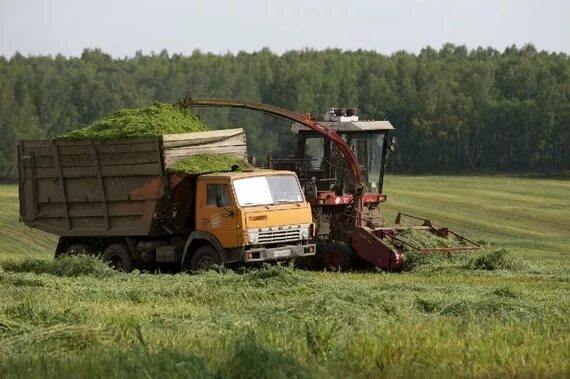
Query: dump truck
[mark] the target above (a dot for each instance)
(120, 199)
(340, 161)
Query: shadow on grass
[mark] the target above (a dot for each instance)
(252, 359)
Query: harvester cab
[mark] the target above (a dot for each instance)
(325, 173)
(318, 160)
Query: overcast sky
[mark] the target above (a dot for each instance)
(121, 27)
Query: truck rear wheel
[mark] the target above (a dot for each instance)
(76, 249)
(338, 256)
(205, 258)
(118, 257)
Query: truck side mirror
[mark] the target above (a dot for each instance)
(390, 148)
(220, 204)
(393, 142)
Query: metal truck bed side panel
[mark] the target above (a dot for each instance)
(78, 188)
(112, 188)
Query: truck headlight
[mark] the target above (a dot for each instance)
(305, 234)
(252, 238)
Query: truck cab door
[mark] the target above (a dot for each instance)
(216, 212)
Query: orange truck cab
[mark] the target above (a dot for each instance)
(254, 216)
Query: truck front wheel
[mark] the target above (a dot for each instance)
(338, 256)
(118, 257)
(205, 258)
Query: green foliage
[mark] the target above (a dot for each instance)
(454, 109)
(63, 266)
(154, 120)
(203, 163)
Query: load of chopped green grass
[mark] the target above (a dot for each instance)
(70, 266)
(155, 120)
(202, 163)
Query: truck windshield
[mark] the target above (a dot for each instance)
(265, 190)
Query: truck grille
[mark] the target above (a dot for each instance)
(277, 236)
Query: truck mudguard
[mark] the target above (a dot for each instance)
(203, 236)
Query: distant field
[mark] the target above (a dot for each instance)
(493, 316)
(15, 238)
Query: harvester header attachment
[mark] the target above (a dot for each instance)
(393, 233)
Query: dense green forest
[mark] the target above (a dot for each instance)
(455, 109)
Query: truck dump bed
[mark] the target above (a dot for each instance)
(114, 188)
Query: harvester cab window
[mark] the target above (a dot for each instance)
(214, 190)
(314, 153)
(369, 150)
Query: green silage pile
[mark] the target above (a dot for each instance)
(151, 121)
(203, 163)
(156, 120)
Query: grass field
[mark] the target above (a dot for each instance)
(76, 318)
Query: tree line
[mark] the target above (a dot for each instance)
(454, 109)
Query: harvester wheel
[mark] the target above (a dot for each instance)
(118, 257)
(204, 259)
(338, 256)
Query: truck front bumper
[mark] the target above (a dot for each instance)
(278, 253)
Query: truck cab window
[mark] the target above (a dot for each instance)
(218, 189)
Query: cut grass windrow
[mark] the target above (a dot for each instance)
(281, 322)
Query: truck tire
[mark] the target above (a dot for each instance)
(75, 249)
(118, 257)
(205, 258)
(338, 256)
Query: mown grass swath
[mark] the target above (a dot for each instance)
(501, 311)
(281, 322)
